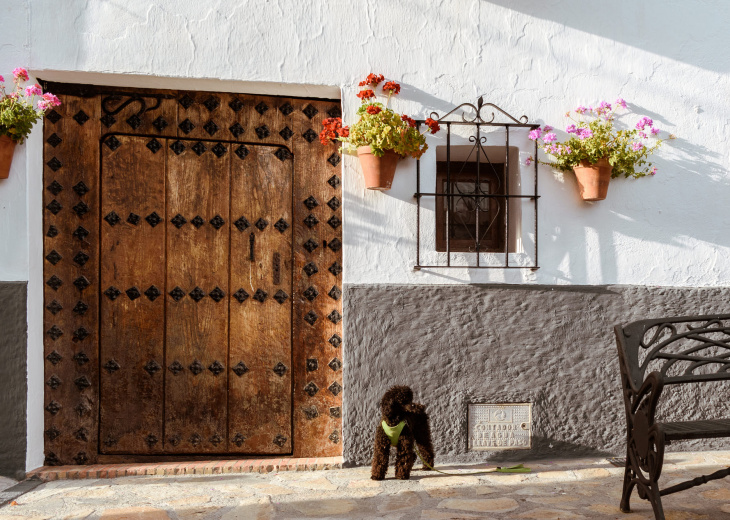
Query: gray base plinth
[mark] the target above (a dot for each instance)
(552, 346)
(13, 369)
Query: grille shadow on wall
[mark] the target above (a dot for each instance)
(137, 165)
(478, 201)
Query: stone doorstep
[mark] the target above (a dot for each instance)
(47, 473)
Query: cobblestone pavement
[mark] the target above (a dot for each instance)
(564, 489)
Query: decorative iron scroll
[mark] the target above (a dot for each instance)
(687, 350)
(477, 114)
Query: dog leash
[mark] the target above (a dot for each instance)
(519, 468)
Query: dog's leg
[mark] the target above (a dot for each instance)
(422, 434)
(381, 454)
(405, 457)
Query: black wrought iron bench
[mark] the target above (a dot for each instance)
(655, 353)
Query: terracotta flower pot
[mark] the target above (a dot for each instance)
(378, 171)
(7, 147)
(593, 179)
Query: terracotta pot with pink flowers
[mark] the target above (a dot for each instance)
(18, 113)
(381, 136)
(596, 152)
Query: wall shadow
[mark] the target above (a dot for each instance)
(667, 29)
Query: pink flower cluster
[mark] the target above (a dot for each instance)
(644, 122)
(545, 132)
(584, 133)
(603, 109)
(20, 74)
(558, 149)
(636, 146)
(34, 90)
(48, 101)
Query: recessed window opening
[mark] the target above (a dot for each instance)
(457, 217)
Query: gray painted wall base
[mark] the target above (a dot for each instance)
(13, 378)
(552, 346)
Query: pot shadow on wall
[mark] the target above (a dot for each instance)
(661, 210)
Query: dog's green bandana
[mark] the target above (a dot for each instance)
(393, 432)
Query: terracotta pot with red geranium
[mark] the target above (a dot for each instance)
(381, 136)
(18, 114)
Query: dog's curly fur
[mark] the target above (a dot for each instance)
(397, 405)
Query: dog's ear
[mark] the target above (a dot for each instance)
(415, 408)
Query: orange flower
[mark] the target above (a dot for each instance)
(433, 125)
(372, 79)
(374, 109)
(332, 129)
(411, 122)
(366, 94)
(392, 86)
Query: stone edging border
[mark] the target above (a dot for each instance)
(206, 467)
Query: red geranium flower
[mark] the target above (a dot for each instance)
(332, 130)
(374, 109)
(411, 122)
(392, 86)
(366, 94)
(433, 125)
(372, 79)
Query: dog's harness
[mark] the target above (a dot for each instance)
(393, 432)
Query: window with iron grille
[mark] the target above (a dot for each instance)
(480, 207)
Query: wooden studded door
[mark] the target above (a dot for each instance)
(193, 266)
(209, 224)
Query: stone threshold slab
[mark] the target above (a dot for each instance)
(205, 467)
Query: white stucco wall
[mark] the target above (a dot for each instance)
(667, 58)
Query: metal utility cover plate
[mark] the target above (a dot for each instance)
(506, 426)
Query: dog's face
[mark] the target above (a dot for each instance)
(395, 402)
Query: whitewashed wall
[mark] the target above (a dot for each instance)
(540, 59)
(667, 58)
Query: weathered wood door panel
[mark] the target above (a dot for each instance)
(198, 231)
(260, 356)
(132, 307)
(134, 367)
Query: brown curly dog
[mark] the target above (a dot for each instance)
(399, 411)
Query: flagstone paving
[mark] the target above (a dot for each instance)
(555, 490)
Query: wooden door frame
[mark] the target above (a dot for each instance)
(73, 134)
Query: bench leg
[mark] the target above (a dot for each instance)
(644, 462)
(629, 484)
(656, 501)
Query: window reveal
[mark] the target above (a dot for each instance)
(465, 225)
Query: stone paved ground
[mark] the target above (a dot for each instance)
(565, 490)
(6, 483)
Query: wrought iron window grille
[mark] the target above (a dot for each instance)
(476, 186)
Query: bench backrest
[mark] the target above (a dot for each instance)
(684, 349)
